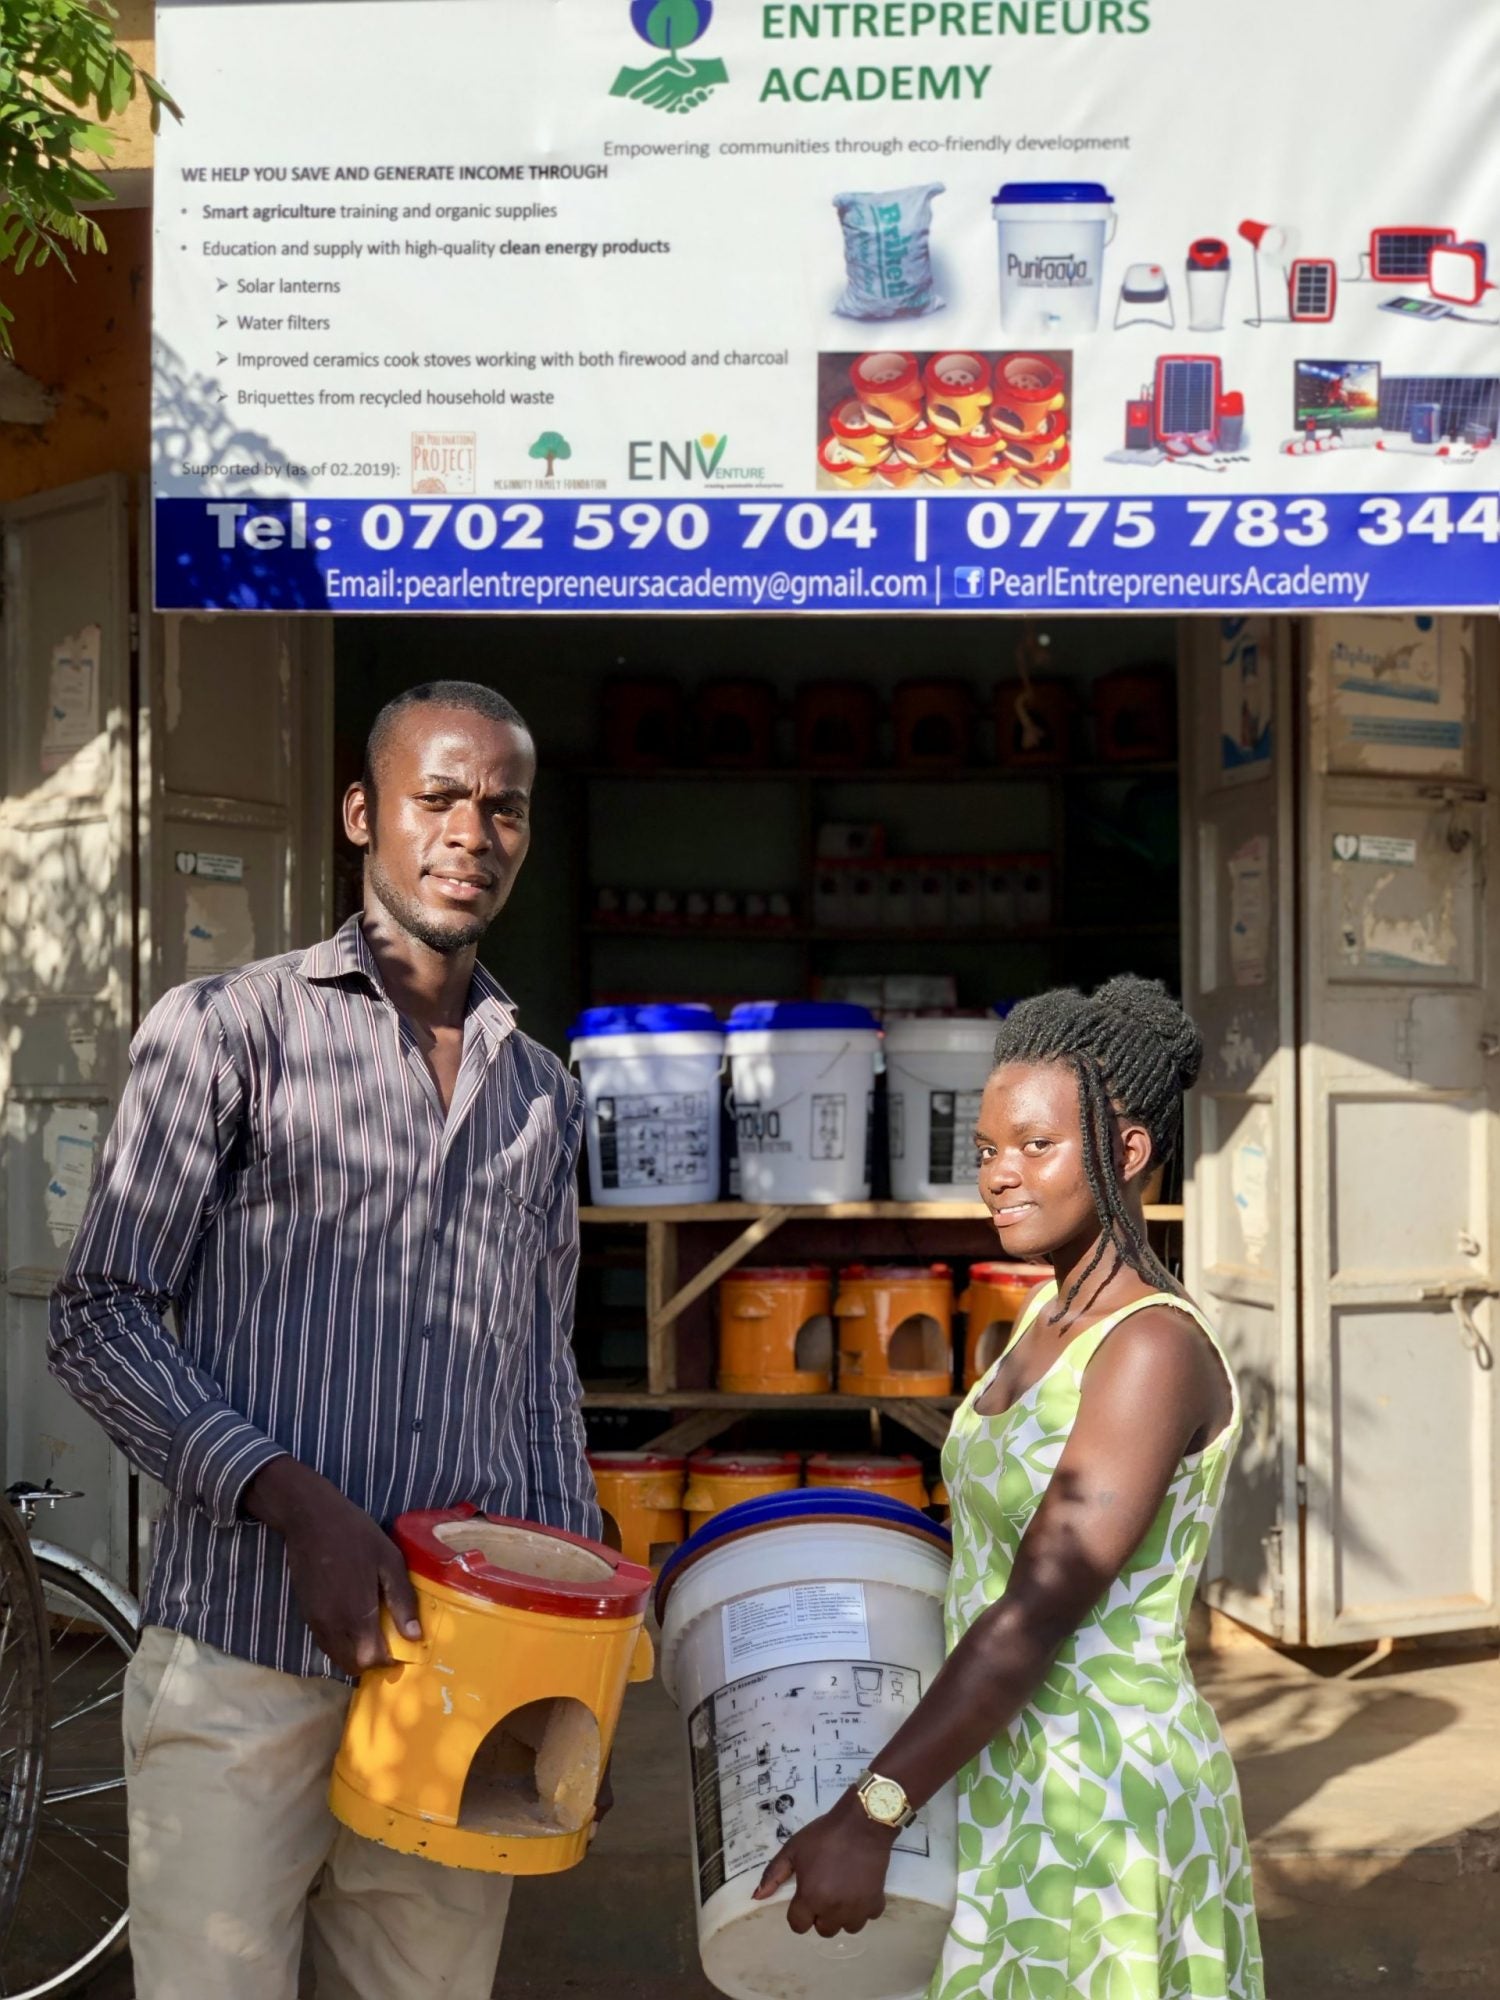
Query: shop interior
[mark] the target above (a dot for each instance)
(924, 820)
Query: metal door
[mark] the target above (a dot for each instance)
(1238, 899)
(158, 823)
(66, 951)
(1401, 1045)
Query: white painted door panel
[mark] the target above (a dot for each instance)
(1401, 1262)
(1238, 902)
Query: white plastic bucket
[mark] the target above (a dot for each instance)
(651, 1103)
(803, 1078)
(819, 1622)
(934, 1077)
(1052, 237)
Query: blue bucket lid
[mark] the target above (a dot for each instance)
(1054, 191)
(690, 1019)
(755, 1015)
(781, 1510)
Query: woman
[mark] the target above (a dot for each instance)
(1102, 1851)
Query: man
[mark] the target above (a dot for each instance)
(352, 1176)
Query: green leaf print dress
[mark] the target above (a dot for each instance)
(1101, 1846)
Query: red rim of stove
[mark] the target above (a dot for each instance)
(635, 1461)
(896, 1272)
(854, 1469)
(745, 1465)
(757, 1274)
(624, 1593)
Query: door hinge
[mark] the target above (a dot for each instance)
(135, 635)
(1302, 1486)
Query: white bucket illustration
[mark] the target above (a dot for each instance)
(1052, 237)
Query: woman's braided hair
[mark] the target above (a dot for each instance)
(1134, 1052)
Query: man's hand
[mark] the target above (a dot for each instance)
(343, 1565)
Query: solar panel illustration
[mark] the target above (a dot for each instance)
(1461, 399)
(1312, 291)
(1400, 254)
(1187, 397)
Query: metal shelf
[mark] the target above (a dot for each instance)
(967, 774)
(836, 1211)
(949, 936)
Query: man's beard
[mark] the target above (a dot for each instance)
(420, 923)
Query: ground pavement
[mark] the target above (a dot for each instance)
(1372, 1791)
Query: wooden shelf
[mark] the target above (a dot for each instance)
(967, 774)
(948, 936)
(716, 1399)
(668, 1296)
(837, 1211)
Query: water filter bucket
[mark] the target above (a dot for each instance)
(1052, 237)
(804, 1083)
(935, 1076)
(784, 1621)
(650, 1078)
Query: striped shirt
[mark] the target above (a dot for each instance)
(381, 1289)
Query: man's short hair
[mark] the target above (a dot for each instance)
(469, 695)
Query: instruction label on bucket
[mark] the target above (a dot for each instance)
(830, 1124)
(950, 1135)
(759, 1131)
(653, 1140)
(771, 1752)
(805, 1622)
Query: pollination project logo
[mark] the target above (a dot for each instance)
(443, 461)
(673, 82)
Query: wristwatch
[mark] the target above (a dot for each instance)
(884, 1802)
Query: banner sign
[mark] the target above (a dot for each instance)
(857, 305)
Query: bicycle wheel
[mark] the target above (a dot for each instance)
(23, 1709)
(72, 1915)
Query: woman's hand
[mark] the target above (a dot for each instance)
(839, 1863)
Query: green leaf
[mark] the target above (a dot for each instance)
(1143, 1797)
(1128, 1683)
(1208, 1917)
(1035, 1937)
(1051, 1890)
(1139, 1885)
(988, 1803)
(1098, 1739)
(1181, 1834)
(1122, 1627)
(1186, 1761)
(963, 1982)
(970, 1846)
(1018, 1860)
(1118, 1979)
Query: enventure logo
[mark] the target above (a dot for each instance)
(673, 82)
(702, 458)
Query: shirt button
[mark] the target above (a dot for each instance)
(416, 1423)
(427, 1332)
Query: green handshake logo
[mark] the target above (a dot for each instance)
(674, 82)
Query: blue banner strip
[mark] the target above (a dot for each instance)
(835, 552)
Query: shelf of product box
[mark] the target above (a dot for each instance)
(667, 1299)
(950, 934)
(839, 1211)
(880, 774)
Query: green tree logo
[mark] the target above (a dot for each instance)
(552, 446)
(673, 83)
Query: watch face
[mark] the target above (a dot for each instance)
(885, 1801)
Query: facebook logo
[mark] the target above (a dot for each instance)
(968, 580)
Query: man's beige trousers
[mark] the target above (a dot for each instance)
(233, 1849)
